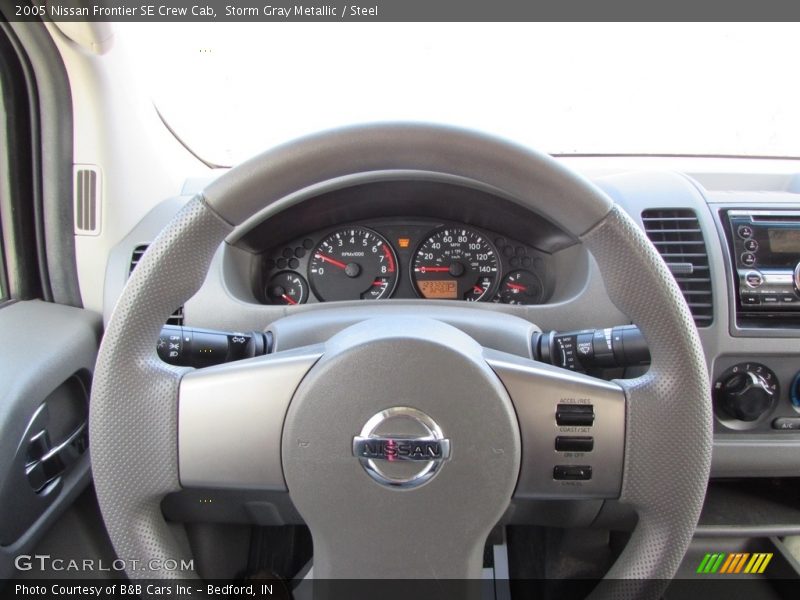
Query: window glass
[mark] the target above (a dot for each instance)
(230, 90)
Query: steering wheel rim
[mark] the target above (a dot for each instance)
(133, 416)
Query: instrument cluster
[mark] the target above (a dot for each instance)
(401, 258)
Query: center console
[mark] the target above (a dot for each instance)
(760, 392)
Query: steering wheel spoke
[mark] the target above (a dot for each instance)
(572, 428)
(230, 419)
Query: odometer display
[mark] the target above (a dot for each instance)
(351, 264)
(456, 263)
(439, 288)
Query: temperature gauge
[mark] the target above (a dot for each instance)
(287, 288)
(520, 287)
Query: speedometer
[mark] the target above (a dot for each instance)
(456, 263)
(351, 264)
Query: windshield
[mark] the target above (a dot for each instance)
(232, 90)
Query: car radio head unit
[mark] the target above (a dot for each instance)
(765, 245)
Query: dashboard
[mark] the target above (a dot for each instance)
(404, 258)
(405, 238)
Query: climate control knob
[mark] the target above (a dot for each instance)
(746, 391)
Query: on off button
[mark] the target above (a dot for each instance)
(753, 279)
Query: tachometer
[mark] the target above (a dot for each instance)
(353, 263)
(456, 263)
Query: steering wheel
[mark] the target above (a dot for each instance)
(422, 457)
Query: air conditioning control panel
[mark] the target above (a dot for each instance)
(761, 394)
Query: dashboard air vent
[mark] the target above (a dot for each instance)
(175, 318)
(677, 236)
(136, 257)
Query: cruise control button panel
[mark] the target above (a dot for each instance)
(572, 428)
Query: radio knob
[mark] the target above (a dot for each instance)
(797, 278)
(745, 395)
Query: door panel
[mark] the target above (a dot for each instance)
(47, 356)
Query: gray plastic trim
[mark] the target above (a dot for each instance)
(499, 331)
(748, 531)
(45, 344)
(230, 419)
(119, 259)
(766, 455)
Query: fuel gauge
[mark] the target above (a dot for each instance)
(520, 287)
(287, 287)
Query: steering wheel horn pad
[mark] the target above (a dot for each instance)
(381, 364)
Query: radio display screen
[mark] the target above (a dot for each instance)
(784, 241)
